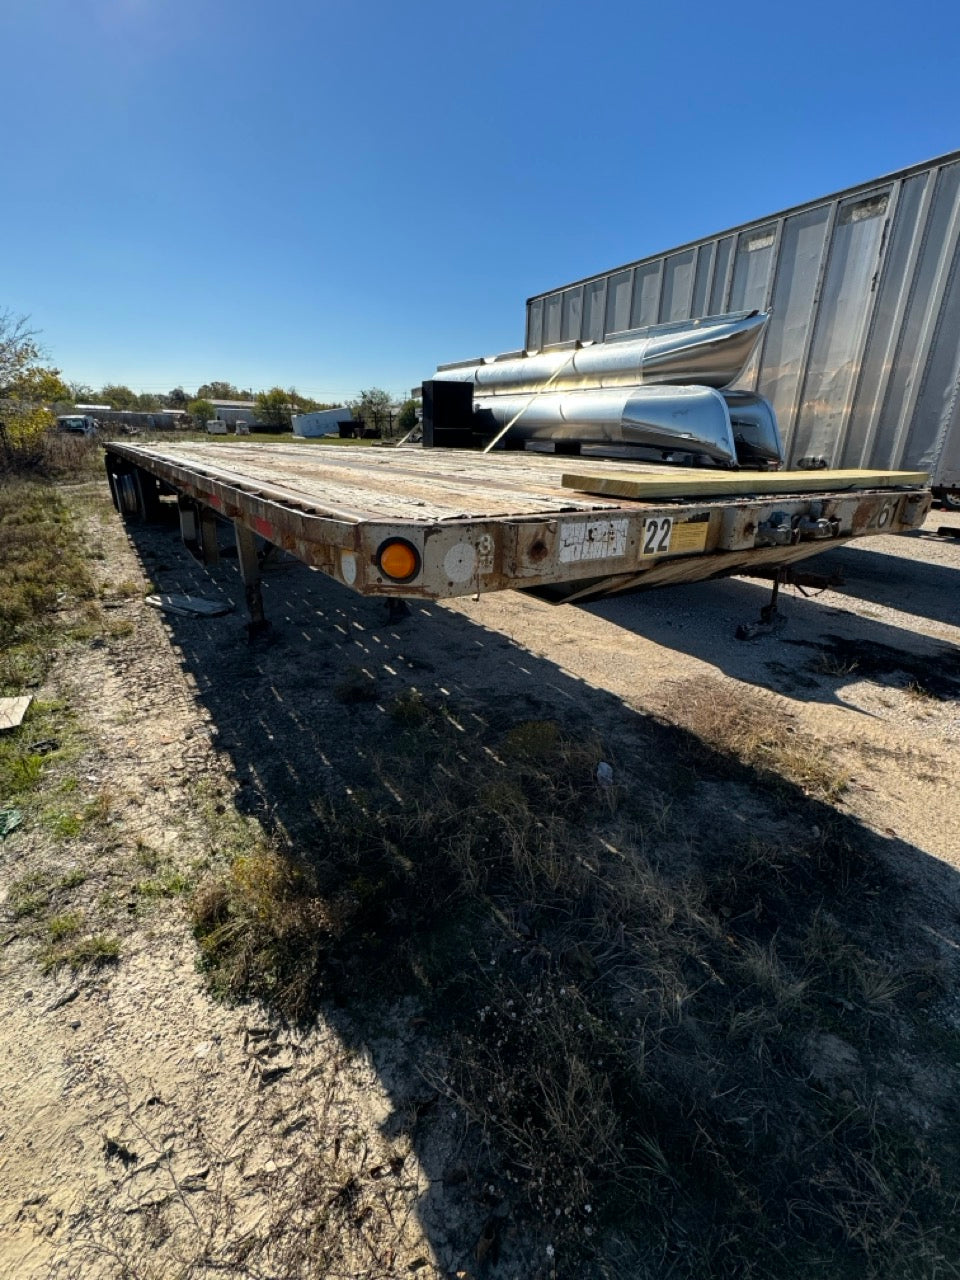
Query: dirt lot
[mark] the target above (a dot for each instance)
(152, 1130)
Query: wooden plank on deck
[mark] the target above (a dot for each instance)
(627, 483)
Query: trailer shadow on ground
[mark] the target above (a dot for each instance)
(908, 582)
(286, 723)
(821, 642)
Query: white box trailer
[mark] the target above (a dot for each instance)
(321, 422)
(861, 358)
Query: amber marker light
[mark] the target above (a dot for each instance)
(399, 560)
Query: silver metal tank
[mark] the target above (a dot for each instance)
(709, 352)
(686, 419)
(755, 429)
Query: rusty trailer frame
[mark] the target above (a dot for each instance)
(474, 523)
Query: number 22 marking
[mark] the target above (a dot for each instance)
(656, 535)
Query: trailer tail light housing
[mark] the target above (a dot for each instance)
(398, 560)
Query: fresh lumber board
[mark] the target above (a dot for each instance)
(625, 483)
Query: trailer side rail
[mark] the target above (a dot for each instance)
(390, 527)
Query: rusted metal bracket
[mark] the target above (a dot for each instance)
(249, 562)
(189, 525)
(802, 578)
(209, 547)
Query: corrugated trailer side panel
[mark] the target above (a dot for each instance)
(861, 357)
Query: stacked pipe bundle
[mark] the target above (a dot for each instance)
(667, 388)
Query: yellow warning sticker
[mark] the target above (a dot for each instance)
(688, 537)
(664, 536)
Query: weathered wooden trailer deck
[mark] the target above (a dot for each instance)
(436, 523)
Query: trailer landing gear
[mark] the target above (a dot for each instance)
(770, 615)
(784, 575)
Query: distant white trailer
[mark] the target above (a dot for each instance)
(323, 422)
(233, 411)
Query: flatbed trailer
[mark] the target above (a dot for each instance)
(408, 523)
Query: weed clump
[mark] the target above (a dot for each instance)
(42, 572)
(92, 952)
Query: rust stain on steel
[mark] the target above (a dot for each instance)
(688, 569)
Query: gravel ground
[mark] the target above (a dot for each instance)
(148, 1131)
(854, 666)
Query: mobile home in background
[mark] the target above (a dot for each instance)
(861, 357)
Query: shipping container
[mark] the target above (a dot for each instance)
(861, 357)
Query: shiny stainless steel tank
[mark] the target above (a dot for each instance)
(709, 353)
(686, 419)
(755, 429)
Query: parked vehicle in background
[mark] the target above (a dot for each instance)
(89, 419)
(80, 424)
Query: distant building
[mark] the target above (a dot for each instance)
(233, 411)
(323, 422)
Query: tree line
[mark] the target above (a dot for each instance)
(31, 390)
(273, 407)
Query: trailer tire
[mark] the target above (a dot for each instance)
(123, 491)
(135, 493)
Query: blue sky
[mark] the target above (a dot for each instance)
(335, 196)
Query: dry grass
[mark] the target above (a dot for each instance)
(93, 952)
(829, 664)
(644, 1049)
(43, 575)
(47, 606)
(761, 735)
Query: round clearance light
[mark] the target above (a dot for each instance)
(399, 560)
(348, 567)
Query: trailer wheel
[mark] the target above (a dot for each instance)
(129, 496)
(135, 493)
